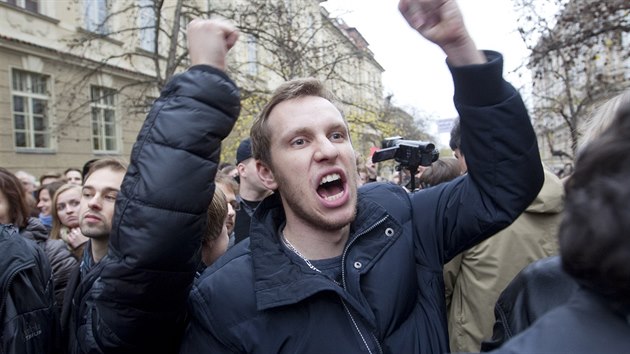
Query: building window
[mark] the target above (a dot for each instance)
(252, 55)
(104, 132)
(28, 5)
(30, 98)
(96, 12)
(147, 21)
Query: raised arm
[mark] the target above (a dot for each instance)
(504, 168)
(140, 300)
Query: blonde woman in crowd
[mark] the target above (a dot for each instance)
(65, 218)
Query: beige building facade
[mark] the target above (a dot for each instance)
(77, 77)
(574, 73)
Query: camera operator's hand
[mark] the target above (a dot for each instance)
(441, 22)
(210, 40)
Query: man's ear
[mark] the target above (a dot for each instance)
(266, 175)
(241, 168)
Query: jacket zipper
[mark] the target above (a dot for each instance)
(343, 284)
(357, 327)
(345, 251)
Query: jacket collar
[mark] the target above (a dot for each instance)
(279, 281)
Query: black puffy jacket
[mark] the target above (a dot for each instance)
(134, 299)
(257, 298)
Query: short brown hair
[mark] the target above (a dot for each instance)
(108, 162)
(260, 132)
(442, 170)
(49, 174)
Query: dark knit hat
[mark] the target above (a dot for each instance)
(244, 150)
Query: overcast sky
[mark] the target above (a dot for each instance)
(415, 72)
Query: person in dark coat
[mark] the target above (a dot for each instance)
(544, 285)
(96, 211)
(594, 247)
(251, 190)
(132, 294)
(28, 319)
(537, 289)
(61, 260)
(17, 213)
(330, 268)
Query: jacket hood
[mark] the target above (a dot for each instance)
(35, 230)
(550, 199)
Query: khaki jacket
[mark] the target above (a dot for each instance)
(475, 278)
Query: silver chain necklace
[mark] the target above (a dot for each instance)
(294, 250)
(310, 265)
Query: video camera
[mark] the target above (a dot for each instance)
(408, 153)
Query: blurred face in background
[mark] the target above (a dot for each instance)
(45, 202)
(5, 217)
(74, 177)
(27, 183)
(233, 206)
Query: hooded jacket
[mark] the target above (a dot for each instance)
(257, 298)
(475, 278)
(134, 299)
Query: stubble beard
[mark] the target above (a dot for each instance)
(293, 196)
(96, 232)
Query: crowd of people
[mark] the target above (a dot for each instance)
(297, 246)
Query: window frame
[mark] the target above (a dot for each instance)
(28, 95)
(147, 21)
(23, 4)
(95, 15)
(252, 55)
(100, 104)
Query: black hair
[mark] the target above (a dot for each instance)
(456, 136)
(86, 167)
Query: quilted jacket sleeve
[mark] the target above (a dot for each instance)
(160, 214)
(504, 169)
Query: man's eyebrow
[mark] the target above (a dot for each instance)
(103, 190)
(297, 131)
(308, 130)
(339, 126)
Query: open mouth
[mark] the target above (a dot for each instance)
(331, 187)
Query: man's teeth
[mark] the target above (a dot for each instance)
(330, 178)
(334, 197)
